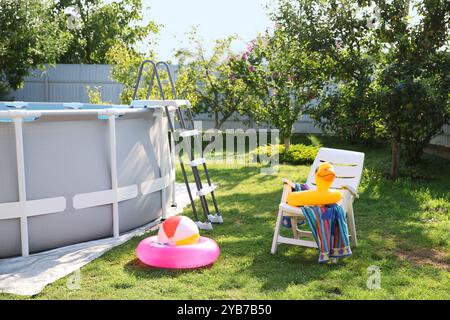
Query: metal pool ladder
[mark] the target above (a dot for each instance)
(186, 132)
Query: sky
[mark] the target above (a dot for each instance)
(215, 19)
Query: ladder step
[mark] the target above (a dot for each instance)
(203, 192)
(189, 133)
(215, 218)
(197, 162)
(204, 225)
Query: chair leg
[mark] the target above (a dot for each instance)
(294, 228)
(276, 233)
(351, 225)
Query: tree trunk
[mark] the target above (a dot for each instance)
(287, 143)
(220, 122)
(216, 120)
(395, 162)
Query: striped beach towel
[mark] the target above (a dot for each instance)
(328, 225)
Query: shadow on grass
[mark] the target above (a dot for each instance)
(395, 209)
(227, 177)
(141, 270)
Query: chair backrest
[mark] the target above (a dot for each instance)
(348, 166)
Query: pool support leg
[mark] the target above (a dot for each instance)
(18, 129)
(114, 179)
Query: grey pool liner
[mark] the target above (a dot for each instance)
(72, 175)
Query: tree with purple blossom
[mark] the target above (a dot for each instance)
(282, 77)
(210, 83)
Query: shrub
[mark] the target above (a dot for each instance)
(297, 154)
(94, 95)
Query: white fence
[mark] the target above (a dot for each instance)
(444, 138)
(303, 125)
(69, 83)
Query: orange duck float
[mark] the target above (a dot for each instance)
(322, 195)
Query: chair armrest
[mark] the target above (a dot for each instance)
(352, 190)
(289, 182)
(287, 189)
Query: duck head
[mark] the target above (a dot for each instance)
(324, 176)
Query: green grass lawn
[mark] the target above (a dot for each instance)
(403, 228)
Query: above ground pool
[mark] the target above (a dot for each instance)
(74, 172)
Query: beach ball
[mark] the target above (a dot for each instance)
(178, 230)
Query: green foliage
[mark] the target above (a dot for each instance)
(297, 154)
(344, 41)
(412, 82)
(420, 112)
(125, 62)
(349, 112)
(97, 26)
(94, 95)
(29, 37)
(282, 74)
(209, 83)
(391, 71)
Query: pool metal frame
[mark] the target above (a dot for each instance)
(24, 208)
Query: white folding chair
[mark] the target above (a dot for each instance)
(348, 166)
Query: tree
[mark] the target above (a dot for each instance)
(29, 37)
(210, 84)
(125, 64)
(283, 74)
(412, 80)
(96, 27)
(346, 103)
(391, 70)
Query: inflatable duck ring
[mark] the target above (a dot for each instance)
(322, 195)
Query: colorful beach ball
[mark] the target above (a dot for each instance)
(178, 230)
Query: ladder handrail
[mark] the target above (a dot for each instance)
(139, 77)
(169, 73)
(201, 191)
(155, 73)
(161, 89)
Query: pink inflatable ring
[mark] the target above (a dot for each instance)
(156, 254)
